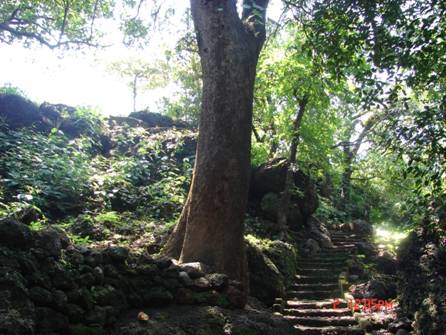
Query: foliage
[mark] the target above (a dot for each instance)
(328, 213)
(53, 24)
(50, 172)
(9, 89)
(185, 69)
(141, 75)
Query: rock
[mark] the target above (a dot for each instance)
(87, 279)
(152, 119)
(269, 205)
(12, 322)
(97, 316)
(185, 296)
(365, 248)
(353, 278)
(386, 264)
(236, 297)
(98, 274)
(218, 281)
(80, 329)
(319, 232)
(186, 280)
(382, 287)
(163, 262)
(284, 256)
(194, 270)
(270, 178)
(400, 324)
(85, 226)
(157, 296)
(62, 280)
(60, 300)
(201, 284)
(15, 235)
(125, 121)
(118, 255)
(19, 112)
(40, 296)
(311, 247)
(109, 296)
(266, 281)
(49, 321)
(52, 241)
(402, 332)
(355, 269)
(362, 227)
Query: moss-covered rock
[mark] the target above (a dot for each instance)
(266, 281)
(422, 293)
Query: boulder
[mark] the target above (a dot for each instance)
(284, 256)
(52, 241)
(269, 205)
(380, 287)
(125, 121)
(50, 321)
(15, 235)
(319, 232)
(19, 112)
(366, 249)
(194, 270)
(151, 120)
(421, 289)
(270, 179)
(362, 227)
(266, 281)
(386, 264)
(310, 247)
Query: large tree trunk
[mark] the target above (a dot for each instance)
(210, 229)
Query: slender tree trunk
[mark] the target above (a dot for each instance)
(284, 204)
(210, 229)
(350, 154)
(346, 177)
(135, 91)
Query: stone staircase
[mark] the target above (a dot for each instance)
(309, 305)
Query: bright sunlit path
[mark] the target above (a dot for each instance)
(389, 238)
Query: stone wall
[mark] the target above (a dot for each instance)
(50, 286)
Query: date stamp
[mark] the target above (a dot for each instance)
(366, 304)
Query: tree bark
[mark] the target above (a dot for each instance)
(282, 212)
(210, 229)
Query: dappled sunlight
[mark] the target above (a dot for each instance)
(388, 238)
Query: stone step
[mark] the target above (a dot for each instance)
(320, 271)
(315, 304)
(345, 244)
(305, 279)
(304, 330)
(326, 258)
(341, 253)
(336, 239)
(316, 286)
(322, 321)
(317, 312)
(340, 248)
(313, 294)
(319, 265)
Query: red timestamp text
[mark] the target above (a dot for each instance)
(366, 304)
